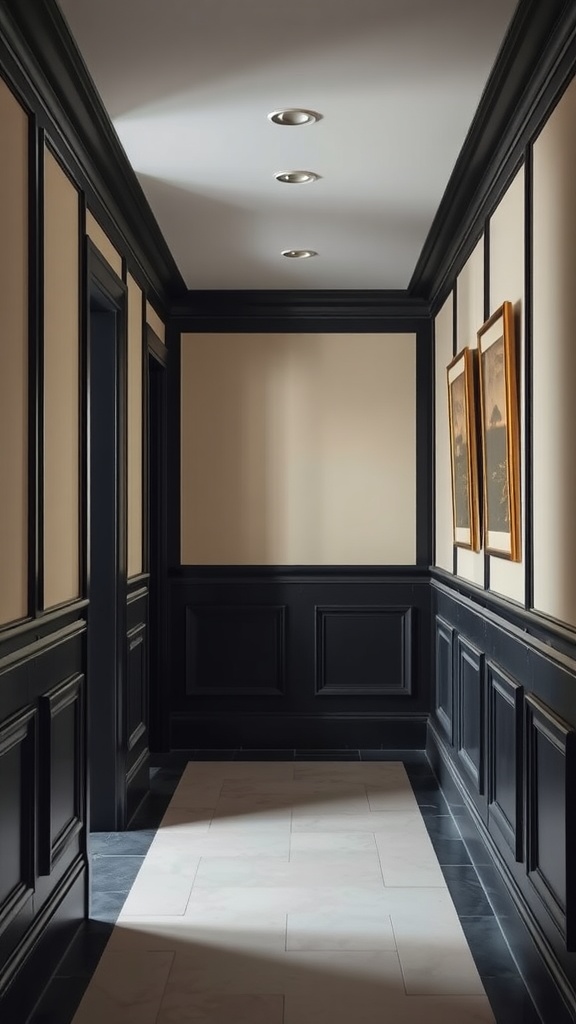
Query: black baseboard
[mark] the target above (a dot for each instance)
(303, 732)
(550, 990)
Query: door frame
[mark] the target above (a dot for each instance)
(108, 810)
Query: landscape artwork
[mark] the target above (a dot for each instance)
(465, 503)
(500, 434)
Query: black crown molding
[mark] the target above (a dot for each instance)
(285, 310)
(534, 63)
(40, 41)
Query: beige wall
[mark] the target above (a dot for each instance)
(61, 387)
(298, 449)
(554, 346)
(103, 243)
(507, 284)
(135, 437)
(154, 321)
(443, 339)
(14, 374)
(469, 318)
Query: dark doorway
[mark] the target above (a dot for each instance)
(157, 541)
(106, 547)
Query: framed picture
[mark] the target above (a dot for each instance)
(500, 434)
(463, 451)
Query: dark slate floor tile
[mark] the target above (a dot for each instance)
(440, 826)
(121, 844)
(264, 755)
(489, 947)
(327, 755)
(60, 1001)
(430, 801)
(114, 874)
(466, 890)
(511, 1002)
(214, 755)
(412, 759)
(105, 906)
(450, 851)
(83, 955)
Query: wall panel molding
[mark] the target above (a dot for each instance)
(470, 740)
(62, 813)
(444, 703)
(364, 651)
(235, 650)
(505, 759)
(551, 830)
(18, 790)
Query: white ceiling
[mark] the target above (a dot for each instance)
(189, 84)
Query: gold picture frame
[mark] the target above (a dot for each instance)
(500, 434)
(463, 451)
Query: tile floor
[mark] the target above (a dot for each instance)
(289, 890)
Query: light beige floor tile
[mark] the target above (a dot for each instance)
(173, 853)
(221, 1008)
(324, 928)
(322, 1008)
(407, 856)
(255, 900)
(200, 930)
(376, 821)
(267, 771)
(349, 972)
(126, 989)
(348, 772)
(304, 870)
(392, 795)
(303, 796)
(194, 794)
(331, 842)
(263, 820)
(195, 820)
(158, 893)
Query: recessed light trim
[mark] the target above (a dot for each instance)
(299, 254)
(294, 117)
(296, 177)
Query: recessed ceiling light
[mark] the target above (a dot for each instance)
(298, 254)
(294, 116)
(296, 177)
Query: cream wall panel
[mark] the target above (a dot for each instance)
(298, 449)
(155, 323)
(507, 284)
(470, 317)
(443, 334)
(14, 375)
(554, 388)
(135, 436)
(103, 243)
(61, 388)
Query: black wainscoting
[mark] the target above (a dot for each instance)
(43, 858)
(299, 658)
(515, 741)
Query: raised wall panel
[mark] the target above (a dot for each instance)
(445, 677)
(235, 651)
(14, 375)
(470, 683)
(551, 833)
(505, 764)
(17, 815)
(61, 387)
(61, 769)
(137, 690)
(363, 651)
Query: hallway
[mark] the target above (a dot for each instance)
(290, 891)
